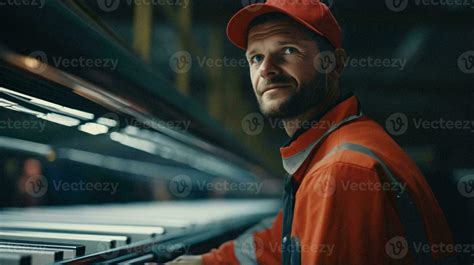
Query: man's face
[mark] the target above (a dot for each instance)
(284, 79)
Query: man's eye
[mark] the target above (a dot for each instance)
(256, 59)
(290, 50)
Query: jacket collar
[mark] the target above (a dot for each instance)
(295, 152)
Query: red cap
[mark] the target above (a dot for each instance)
(312, 14)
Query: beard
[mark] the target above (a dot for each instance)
(300, 101)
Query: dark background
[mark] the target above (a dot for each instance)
(437, 82)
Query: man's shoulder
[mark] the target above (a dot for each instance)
(356, 147)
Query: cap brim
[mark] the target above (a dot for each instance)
(237, 28)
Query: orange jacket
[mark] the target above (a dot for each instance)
(352, 197)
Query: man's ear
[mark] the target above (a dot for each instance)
(341, 57)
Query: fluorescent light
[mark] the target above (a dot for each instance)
(107, 122)
(60, 119)
(46, 103)
(133, 142)
(6, 103)
(25, 110)
(32, 62)
(43, 103)
(66, 110)
(94, 128)
(26, 146)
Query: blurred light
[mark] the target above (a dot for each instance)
(25, 110)
(133, 142)
(107, 122)
(94, 128)
(60, 119)
(6, 103)
(46, 103)
(131, 130)
(51, 105)
(27, 146)
(32, 62)
(51, 156)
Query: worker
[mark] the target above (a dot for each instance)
(352, 196)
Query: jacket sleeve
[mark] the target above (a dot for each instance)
(346, 217)
(260, 244)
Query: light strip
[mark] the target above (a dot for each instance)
(94, 128)
(26, 146)
(49, 105)
(60, 119)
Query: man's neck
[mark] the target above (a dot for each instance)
(292, 125)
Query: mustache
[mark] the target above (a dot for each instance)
(277, 80)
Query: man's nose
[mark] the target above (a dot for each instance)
(269, 67)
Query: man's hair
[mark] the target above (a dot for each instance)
(322, 42)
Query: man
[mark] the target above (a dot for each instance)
(352, 196)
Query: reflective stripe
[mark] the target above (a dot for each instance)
(244, 249)
(244, 245)
(367, 151)
(291, 164)
(408, 212)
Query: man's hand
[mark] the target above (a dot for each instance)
(189, 260)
